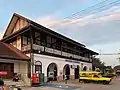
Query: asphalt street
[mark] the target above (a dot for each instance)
(114, 85)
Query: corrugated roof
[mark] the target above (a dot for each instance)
(8, 51)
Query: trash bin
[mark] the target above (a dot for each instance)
(41, 78)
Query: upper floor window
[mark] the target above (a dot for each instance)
(24, 40)
(37, 36)
(15, 43)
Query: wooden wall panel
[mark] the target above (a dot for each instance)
(19, 42)
(20, 24)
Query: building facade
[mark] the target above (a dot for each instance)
(50, 53)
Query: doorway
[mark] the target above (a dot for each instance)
(38, 67)
(52, 72)
(76, 72)
(66, 71)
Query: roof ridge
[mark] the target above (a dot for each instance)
(33, 21)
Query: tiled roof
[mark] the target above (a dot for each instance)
(8, 51)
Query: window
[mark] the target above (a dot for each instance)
(37, 35)
(48, 41)
(37, 38)
(54, 43)
(28, 41)
(96, 76)
(43, 39)
(24, 40)
(37, 42)
(15, 43)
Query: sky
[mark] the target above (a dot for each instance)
(96, 27)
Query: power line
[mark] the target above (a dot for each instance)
(91, 7)
(100, 8)
(109, 54)
(88, 8)
(113, 3)
(98, 17)
(103, 7)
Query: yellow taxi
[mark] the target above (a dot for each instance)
(93, 77)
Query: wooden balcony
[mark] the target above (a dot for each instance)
(26, 48)
(38, 47)
(54, 51)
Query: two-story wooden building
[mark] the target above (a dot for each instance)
(49, 52)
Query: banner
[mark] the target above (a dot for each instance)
(3, 73)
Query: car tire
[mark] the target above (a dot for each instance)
(106, 82)
(86, 81)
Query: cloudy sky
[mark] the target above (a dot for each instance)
(97, 27)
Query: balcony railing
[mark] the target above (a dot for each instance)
(57, 52)
(54, 51)
(38, 47)
(64, 54)
(49, 50)
(26, 48)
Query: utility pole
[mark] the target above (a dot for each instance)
(100, 54)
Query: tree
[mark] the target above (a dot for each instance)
(97, 63)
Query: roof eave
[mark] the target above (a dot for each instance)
(21, 59)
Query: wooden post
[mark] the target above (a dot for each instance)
(31, 52)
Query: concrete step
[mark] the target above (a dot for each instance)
(18, 84)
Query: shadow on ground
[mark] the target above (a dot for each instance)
(65, 87)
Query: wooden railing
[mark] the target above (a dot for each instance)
(54, 51)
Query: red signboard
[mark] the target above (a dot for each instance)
(3, 73)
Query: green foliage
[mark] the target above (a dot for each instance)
(108, 75)
(1, 81)
(98, 63)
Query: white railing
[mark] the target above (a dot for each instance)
(38, 47)
(49, 50)
(70, 55)
(84, 58)
(64, 54)
(58, 52)
(80, 57)
(27, 47)
(76, 56)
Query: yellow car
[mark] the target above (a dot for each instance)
(93, 77)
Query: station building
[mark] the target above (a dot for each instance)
(32, 48)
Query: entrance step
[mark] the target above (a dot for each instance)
(18, 84)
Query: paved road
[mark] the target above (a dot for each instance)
(114, 85)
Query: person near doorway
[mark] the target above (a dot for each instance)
(15, 77)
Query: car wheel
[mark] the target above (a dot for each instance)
(86, 81)
(106, 82)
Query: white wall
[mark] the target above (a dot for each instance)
(46, 60)
(20, 67)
